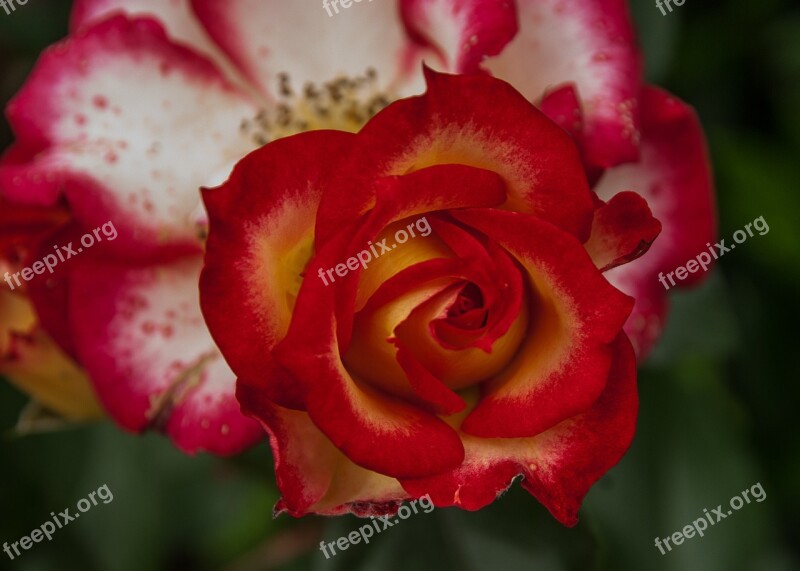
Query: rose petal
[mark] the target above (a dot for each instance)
(314, 477)
(622, 231)
(377, 357)
(16, 316)
(559, 465)
(373, 430)
(469, 120)
(429, 387)
(590, 43)
(461, 32)
(562, 105)
(417, 251)
(50, 292)
(439, 187)
(177, 17)
(458, 368)
(22, 226)
(261, 241)
(37, 367)
(268, 38)
(142, 339)
(674, 176)
(563, 364)
(133, 156)
(502, 294)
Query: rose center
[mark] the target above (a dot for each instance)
(467, 312)
(344, 103)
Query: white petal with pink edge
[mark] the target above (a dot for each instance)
(128, 125)
(176, 16)
(591, 44)
(462, 32)
(140, 335)
(674, 177)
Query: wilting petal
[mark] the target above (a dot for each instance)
(563, 364)
(462, 32)
(559, 465)
(142, 339)
(133, 156)
(268, 38)
(589, 43)
(674, 177)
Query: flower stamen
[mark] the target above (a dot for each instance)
(343, 103)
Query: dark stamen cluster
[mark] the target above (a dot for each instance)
(343, 103)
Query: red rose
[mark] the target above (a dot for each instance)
(487, 346)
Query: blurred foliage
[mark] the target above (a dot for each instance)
(717, 397)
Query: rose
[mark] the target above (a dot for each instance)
(398, 379)
(148, 100)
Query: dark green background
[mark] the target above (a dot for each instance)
(719, 397)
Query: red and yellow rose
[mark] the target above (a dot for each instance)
(492, 348)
